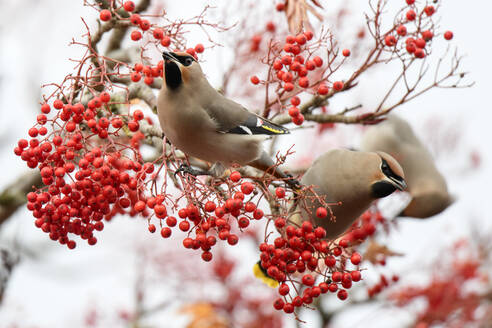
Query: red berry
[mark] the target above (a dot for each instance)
(309, 35)
(301, 39)
(288, 307)
(166, 232)
(295, 101)
(135, 77)
(303, 82)
(427, 35)
(283, 289)
(277, 65)
(342, 294)
(420, 43)
(346, 52)
(144, 24)
(355, 258)
(254, 79)
(166, 41)
(338, 85)
(151, 228)
(298, 120)
(232, 239)
(294, 111)
(135, 19)
(129, 6)
(401, 30)
(257, 214)
(138, 115)
(139, 206)
(160, 211)
(280, 6)
(136, 35)
(321, 213)
(356, 276)
(336, 276)
(411, 15)
(419, 53)
(448, 35)
(308, 280)
(330, 261)
(390, 40)
(290, 39)
(199, 48)
(429, 10)
(171, 221)
(410, 2)
(58, 104)
(105, 15)
(278, 304)
(323, 89)
(318, 61)
(280, 192)
(184, 226)
(279, 223)
(158, 33)
(286, 60)
(207, 256)
(45, 108)
(235, 176)
(288, 87)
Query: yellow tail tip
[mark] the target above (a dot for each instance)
(261, 274)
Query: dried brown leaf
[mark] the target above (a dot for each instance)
(376, 251)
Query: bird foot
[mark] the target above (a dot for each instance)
(185, 168)
(293, 183)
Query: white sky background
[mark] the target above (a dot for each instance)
(58, 287)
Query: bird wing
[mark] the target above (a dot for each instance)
(231, 117)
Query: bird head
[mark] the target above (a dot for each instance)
(389, 177)
(179, 68)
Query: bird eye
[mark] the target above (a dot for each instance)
(188, 61)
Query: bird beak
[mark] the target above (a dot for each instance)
(169, 56)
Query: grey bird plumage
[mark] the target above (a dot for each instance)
(426, 185)
(353, 178)
(203, 123)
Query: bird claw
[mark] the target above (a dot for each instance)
(293, 183)
(185, 168)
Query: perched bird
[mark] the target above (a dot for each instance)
(426, 185)
(353, 178)
(203, 123)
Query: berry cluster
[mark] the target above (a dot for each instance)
(208, 220)
(302, 254)
(416, 42)
(292, 66)
(105, 183)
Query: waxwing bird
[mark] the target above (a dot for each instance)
(353, 178)
(203, 123)
(426, 185)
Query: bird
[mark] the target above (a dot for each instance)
(426, 185)
(349, 179)
(205, 124)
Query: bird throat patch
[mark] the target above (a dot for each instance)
(173, 75)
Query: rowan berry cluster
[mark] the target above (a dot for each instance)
(297, 68)
(86, 177)
(301, 256)
(87, 147)
(416, 29)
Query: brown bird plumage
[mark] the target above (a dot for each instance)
(353, 178)
(426, 184)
